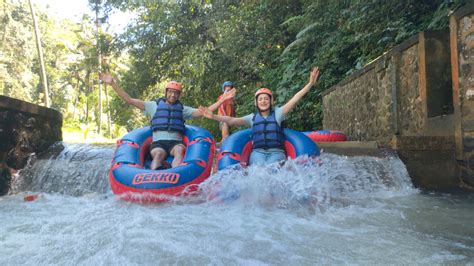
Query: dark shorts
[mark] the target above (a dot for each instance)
(166, 145)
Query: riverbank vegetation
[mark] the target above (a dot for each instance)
(201, 43)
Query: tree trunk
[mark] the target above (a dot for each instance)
(109, 119)
(99, 60)
(76, 100)
(89, 91)
(6, 17)
(44, 80)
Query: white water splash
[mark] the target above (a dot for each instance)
(348, 210)
(72, 169)
(330, 181)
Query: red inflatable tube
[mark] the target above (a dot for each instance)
(326, 135)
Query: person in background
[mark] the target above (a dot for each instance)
(167, 120)
(267, 133)
(227, 108)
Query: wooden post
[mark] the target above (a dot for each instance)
(453, 27)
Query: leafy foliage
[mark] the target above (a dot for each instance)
(255, 44)
(266, 44)
(70, 52)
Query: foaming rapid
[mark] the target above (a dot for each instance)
(328, 181)
(71, 169)
(338, 210)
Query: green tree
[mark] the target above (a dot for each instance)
(16, 78)
(264, 43)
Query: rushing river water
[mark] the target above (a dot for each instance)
(346, 210)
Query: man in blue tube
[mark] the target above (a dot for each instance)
(167, 120)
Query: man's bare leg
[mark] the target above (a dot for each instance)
(158, 155)
(178, 153)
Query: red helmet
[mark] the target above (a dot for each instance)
(265, 91)
(174, 85)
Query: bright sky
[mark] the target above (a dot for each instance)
(75, 9)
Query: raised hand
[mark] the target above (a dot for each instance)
(229, 94)
(313, 76)
(206, 112)
(106, 77)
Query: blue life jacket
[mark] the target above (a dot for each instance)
(168, 117)
(266, 133)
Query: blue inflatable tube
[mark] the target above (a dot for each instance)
(131, 178)
(237, 147)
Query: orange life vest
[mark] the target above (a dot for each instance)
(226, 108)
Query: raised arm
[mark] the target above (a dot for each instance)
(227, 95)
(232, 121)
(108, 79)
(214, 106)
(313, 77)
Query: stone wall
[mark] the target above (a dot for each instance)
(462, 58)
(403, 100)
(409, 98)
(361, 102)
(394, 94)
(24, 129)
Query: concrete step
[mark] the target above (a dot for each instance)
(355, 148)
